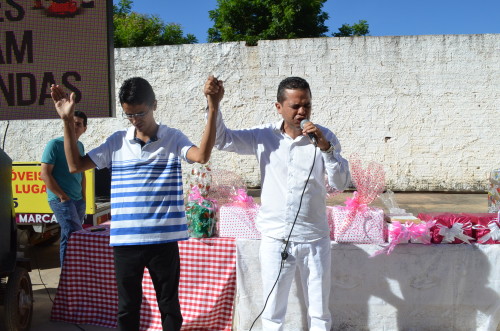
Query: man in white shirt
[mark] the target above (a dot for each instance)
(292, 218)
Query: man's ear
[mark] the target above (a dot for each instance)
(155, 103)
(279, 107)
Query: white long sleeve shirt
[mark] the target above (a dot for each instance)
(285, 164)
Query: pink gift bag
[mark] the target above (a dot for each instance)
(357, 222)
(366, 227)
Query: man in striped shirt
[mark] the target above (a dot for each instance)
(147, 206)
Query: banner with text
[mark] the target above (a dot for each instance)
(63, 42)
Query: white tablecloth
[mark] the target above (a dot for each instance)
(417, 287)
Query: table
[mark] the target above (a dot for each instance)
(416, 287)
(87, 288)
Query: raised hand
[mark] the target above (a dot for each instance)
(65, 105)
(213, 89)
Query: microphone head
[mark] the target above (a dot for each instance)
(304, 122)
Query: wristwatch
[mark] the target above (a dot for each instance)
(330, 149)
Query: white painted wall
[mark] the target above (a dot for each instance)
(427, 107)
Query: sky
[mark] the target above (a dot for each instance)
(385, 17)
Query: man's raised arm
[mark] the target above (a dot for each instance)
(214, 91)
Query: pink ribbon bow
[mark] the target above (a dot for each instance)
(421, 231)
(355, 204)
(399, 234)
(195, 195)
(242, 197)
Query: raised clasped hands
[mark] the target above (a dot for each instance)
(65, 105)
(213, 90)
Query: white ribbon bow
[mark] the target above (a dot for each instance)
(493, 234)
(455, 232)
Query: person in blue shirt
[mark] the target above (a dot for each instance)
(65, 191)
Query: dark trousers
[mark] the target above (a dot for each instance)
(163, 263)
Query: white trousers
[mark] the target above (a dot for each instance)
(313, 261)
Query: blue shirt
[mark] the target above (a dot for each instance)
(70, 183)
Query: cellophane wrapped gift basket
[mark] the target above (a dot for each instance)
(357, 222)
(200, 209)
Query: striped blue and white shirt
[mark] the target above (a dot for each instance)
(147, 204)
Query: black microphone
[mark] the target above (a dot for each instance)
(311, 136)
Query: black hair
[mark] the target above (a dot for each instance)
(136, 91)
(81, 114)
(292, 83)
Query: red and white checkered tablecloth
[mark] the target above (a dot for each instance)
(87, 288)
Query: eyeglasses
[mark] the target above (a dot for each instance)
(138, 115)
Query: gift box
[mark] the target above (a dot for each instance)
(238, 221)
(398, 233)
(413, 231)
(420, 232)
(357, 222)
(475, 225)
(366, 227)
(488, 233)
(485, 228)
(449, 228)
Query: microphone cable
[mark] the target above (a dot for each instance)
(284, 253)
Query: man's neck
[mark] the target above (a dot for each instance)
(292, 132)
(145, 136)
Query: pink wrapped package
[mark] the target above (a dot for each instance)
(365, 227)
(472, 226)
(357, 222)
(450, 228)
(486, 228)
(420, 233)
(237, 219)
(408, 232)
(399, 233)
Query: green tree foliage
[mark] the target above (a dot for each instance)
(132, 29)
(358, 29)
(253, 20)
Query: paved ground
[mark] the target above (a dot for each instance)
(45, 274)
